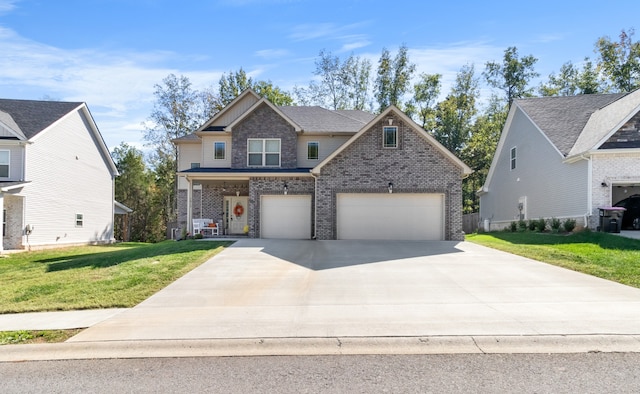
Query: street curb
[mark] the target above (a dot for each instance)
(321, 346)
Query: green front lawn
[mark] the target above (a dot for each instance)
(88, 277)
(603, 255)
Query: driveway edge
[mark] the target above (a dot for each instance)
(321, 346)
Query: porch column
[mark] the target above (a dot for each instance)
(189, 206)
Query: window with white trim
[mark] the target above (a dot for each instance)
(195, 165)
(312, 150)
(79, 220)
(390, 136)
(513, 158)
(219, 150)
(263, 152)
(5, 159)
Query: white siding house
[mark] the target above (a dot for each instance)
(61, 190)
(564, 157)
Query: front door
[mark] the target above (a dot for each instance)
(236, 212)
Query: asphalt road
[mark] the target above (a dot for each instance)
(495, 373)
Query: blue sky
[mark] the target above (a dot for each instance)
(110, 53)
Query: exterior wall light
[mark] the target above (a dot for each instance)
(390, 187)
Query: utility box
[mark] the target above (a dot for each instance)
(611, 219)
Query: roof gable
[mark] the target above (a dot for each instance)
(237, 107)
(264, 101)
(562, 119)
(32, 116)
(465, 169)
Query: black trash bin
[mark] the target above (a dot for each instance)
(611, 219)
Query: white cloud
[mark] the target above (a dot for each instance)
(7, 5)
(117, 86)
(272, 53)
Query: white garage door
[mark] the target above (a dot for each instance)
(398, 216)
(286, 217)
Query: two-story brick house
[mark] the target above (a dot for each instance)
(56, 176)
(308, 172)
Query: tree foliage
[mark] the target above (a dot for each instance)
(231, 85)
(573, 80)
(479, 150)
(136, 188)
(620, 61)
(425, 94)
(393, 78)
(454, 115)
(341, 84)
(513, 75)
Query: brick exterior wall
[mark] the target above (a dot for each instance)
(14, 230)
(264, 122)
(614, 168)
(366, 167)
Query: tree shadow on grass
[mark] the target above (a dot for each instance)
(128, 252)
(604, 240)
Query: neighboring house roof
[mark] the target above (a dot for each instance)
(562, 119)
(32, 116)
(465, 169)
(120, 209)
(35, 116)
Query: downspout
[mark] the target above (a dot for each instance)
(590, 189)
(315, 206)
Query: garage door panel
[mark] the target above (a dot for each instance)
(287, 217)
(399, 216)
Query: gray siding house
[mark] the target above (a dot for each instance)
(311, 173)
(56, 176)
(564, 157)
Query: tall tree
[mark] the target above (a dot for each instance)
(394, 78)
(135, 188)
(454, 115)
(479, 150)
(340, 85)
(175, 114)
(425, 94)
(572, 80)
(231, 85)
(620, 61)
(513, 75)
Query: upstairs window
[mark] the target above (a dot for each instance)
(195, 165)
(312, 150)
(390, 137)
(219, 150)
(4, 163)
(513, 158)
(79, 220)
(263, 152)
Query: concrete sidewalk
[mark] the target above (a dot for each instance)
(63, 320)
(338, 297)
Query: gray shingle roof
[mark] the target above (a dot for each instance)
(318, 119)
(33, 116)
(562, 119)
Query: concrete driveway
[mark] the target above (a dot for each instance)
(294, 289)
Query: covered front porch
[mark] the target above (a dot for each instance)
(222, 202)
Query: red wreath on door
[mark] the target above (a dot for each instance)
(238, 210)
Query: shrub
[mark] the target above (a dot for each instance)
(555, 225)
(522, 226)
(198, 236)
(569, 225)
(541, 225)
(532, 225)
(513, 227)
